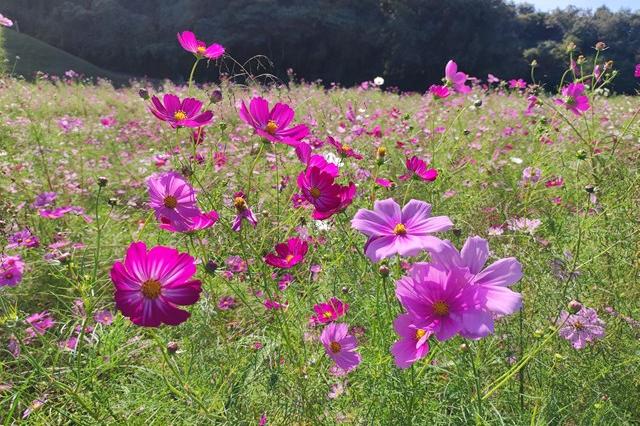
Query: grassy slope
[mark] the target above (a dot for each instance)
(36, 55)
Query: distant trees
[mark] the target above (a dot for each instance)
(346, 41)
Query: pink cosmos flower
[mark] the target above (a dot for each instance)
(455, 78)
(441, 300)
(243, 212)
(5, 22)
(23, 238)
(58, 212)
(272, 125)
(391, 230)
(574, 99)
(492, 79)
(413, 344)
(287, 254)
(177, 113)
(329, 311)
(556, 181)
(318, 187)
(44, 199)
(492, 282)
(107, 121)
(636, 74)
(172, 198)
(344, 150)
(533, 101)
(11, 270)
(340, 346)
(418, 168)
(190, 43)
(581, 328)
(439, 92)
(39, 323)
(517, 84)
(104, 317)
(149, 285)
(191, 224)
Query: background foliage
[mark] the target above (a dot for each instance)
(344, 41)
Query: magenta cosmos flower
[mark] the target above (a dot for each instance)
(439, 92)
(177, 113)
(455, 78)
(150, 284)
(344, 150)
(493, 282)
(574, 99)
(581, 328)
(418, 168)
(273, 124)
(191, 224)
(637, 71)
(190, 43)
(340, 346)
(413, 344)
(11, 270)
(172, 198)
(287, 254)
(442, 300)
(319, 188)
(243, 212)
(392, 230)
(329, 311)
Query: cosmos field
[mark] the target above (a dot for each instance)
(243, 253)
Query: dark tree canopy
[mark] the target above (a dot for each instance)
(345, 41)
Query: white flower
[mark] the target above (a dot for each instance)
(378, 81)
(516, 160)
(333, 158)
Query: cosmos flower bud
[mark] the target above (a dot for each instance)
(581, 60)
(574, 307)
(384, 271)
(112, 201)
(534, 63)
(590, 189)
(464, 347)
(571, 46)
(215, 96)
(608, 65)
(172, 347)
(600, 46)
(102, 181)
(211, 266)
(345, 290)
(477, 103)
(144, 94)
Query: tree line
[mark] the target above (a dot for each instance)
(343, 41)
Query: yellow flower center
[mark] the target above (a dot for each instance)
(440, 308)
(151, 289)
(240, 204)
(420, 333)
(315, 192)
(271, 128)
(201, 49)
(327, 315)
(400, 229)
(346, 148)
(335, 347)
(288, 258)
(578, 325)
(170, 202)
(180, 115)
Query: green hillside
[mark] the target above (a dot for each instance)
(38, 56)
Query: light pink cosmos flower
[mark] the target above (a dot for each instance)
(492, 79)
(329, 311)
(492, 282)
(392, 230)
(340, 346)
(574, 99)
(150, 284)
(581, 328)
(190, 43)
(287, 254)
(177, 113)
(413, 344)
(455, 78)
(5, 22)
(273, 124)
(172, 198)
(418, 168)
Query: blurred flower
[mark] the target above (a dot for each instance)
(5, 22)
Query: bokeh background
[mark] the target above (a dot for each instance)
(337, 41)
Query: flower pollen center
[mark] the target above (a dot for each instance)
(271, 128)
(289, 257)
(327, 314)
(240, 204)
(400, 229)
(201, 49)
(180, 115)
(335, 347)
(170, 202)
(315, 192)
(151, 288)
(578, 325)
(441, 308)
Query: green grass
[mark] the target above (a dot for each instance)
(36, 55)
(122, 374)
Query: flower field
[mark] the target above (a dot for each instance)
(300, 254)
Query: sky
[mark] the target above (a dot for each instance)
(585, 4)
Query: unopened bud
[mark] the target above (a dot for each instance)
(345, 290)
(102, 181)
(601, 45)
(211, 266)
(144, 94)
(590, 189)
(172, 347)
(477, 103)
(384, 271)
(574, 307)
(215, 96)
